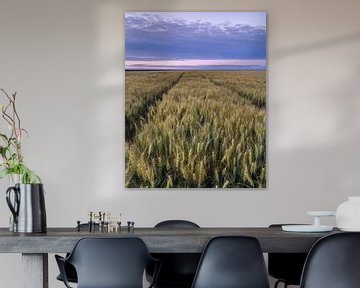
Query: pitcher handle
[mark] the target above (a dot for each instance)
(13, 208)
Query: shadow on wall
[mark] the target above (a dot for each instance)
(300, 49)
(313, 119)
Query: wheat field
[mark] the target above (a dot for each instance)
(195, 129)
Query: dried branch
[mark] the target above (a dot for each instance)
(11, 156)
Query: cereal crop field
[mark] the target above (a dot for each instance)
(195, 129)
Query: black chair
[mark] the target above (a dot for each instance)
(286, 267)
(333, 262)
(232, 262)
(108, 263)
(178, 269)
(69, 269)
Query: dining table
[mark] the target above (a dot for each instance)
(35, 247)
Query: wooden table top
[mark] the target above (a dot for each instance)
(158, 240)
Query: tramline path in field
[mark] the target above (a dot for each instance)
(143, 90)
(201, 133)
(250, 85)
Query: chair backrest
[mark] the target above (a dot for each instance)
(178, 269)
(110, 262)
(176, 224)
(333, 262)
(232, 262)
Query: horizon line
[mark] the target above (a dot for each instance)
(195, 62)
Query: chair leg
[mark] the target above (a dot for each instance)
(278, 282)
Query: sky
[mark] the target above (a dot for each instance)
(195, 40)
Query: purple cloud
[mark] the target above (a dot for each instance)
(153, 36)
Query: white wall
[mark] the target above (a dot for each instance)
(66, 61)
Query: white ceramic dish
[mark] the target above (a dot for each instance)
(306, 228)
(321, 213)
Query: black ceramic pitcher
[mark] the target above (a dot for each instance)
(28, 207)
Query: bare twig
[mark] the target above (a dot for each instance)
(14, 123)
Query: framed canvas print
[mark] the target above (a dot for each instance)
(195, 99)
